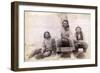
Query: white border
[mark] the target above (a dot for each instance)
(23, 64)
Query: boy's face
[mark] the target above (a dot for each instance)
(78, 30)
(65, 26)
(47, 35)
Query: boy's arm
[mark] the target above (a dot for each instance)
(63, 36)
(44, 46)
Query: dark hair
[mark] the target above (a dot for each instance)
(65, 21)
(48, 33)
(78, 27)
(81, 33)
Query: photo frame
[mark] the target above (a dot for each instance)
(41, 36)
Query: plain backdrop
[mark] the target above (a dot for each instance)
(36, 23)
(5, 36)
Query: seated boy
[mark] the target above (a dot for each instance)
(65, 40)
(79, 40)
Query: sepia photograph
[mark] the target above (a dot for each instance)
(52, 36)
(57, 36)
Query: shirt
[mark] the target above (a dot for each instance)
(65, 34)
(47, 43)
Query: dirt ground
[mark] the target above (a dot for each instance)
(30, 49)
